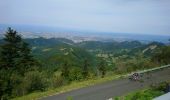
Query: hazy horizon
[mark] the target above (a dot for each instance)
(117, 16)
(28, 31)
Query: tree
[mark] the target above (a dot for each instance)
(85, 71)
(10, 49)
(102, 67)
(75, 74)
(15, 57)
(15, 53)
(26, 60)
(9, 53)
(163, 56)
(65, 70)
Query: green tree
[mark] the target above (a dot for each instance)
(75, 74)
(163, 56)
(15, 53)
(102, 67)
(85, 71)
(10, 49)
(65, 70)
(8, 57)
(15, 57)
(26, 60)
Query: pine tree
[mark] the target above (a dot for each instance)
(25, 60)
(15, 53)
(10, 49)
(9, 53)
(15, 56)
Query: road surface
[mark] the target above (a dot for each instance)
(113, 88)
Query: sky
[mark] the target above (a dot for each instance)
(122, 16)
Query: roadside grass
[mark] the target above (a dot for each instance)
(76, 85)
(146, 94)
(71, 86)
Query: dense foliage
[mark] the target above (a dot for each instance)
(163, 55)
(15, 61)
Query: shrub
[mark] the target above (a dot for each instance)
(162, 86)
(16, 81)
(34, 81)
(4, 89)
(57, 80)
(75, 74)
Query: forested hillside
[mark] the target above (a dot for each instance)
(28, 65)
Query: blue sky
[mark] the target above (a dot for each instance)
(122, 16)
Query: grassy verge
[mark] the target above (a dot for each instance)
(145, 94)
(72, 86)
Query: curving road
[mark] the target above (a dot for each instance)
(114, 88)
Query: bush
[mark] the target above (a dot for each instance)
(4, 89)
(143, 95)
(34, 81)
(16, 81)
(148, 94)
(75, 74)
(57, 80)
(9, 84)
(162, 86)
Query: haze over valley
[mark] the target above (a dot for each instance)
(28, 31)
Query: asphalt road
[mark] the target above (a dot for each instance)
(113, 88)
